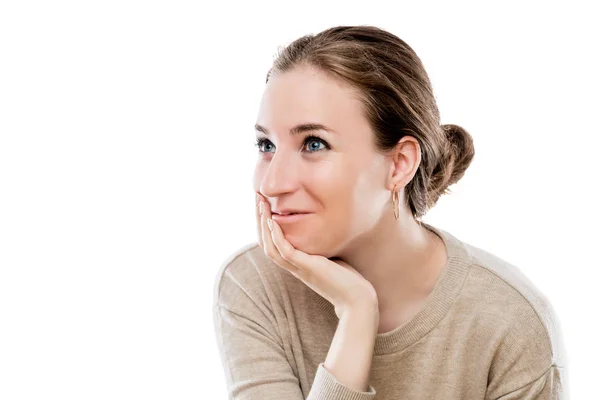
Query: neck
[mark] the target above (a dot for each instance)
(400, 258)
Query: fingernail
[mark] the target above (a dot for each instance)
(270, 224)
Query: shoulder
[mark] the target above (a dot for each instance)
(518, 299)
(527, 332)
(245, 276)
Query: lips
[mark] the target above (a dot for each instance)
(288, 212)
(289, 218)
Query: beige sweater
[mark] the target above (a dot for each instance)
(485, 332)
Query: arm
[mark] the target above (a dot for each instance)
(548, 386)
(251, 348)
(351, 350)
(256, 366)
(253, 358)
(530, 361)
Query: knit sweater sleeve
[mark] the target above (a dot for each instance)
(546, 387)
(326, 387)
(252, 350)
(256, 366)
(253, 360)
(530, 362)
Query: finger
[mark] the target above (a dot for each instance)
(268, 245)
(297, 262)
(258, 220)
(284, 248)
(304, 266)
(270, 249)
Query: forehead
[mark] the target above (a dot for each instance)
(306, 95)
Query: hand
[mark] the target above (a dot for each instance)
(334, 280)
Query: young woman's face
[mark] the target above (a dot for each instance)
(339, 179)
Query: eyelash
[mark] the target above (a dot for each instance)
(260, 141)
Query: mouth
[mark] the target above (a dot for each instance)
(289, 218)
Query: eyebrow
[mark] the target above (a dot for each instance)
(298, 129)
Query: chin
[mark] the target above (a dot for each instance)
(301, 242)
(310, 245)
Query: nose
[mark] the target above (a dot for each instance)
(281, 176)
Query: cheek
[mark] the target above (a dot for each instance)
(333, 183)
(330, 183)
(321, 176)
(330, 176)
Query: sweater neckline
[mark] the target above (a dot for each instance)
(436, 306)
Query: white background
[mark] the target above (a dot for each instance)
(126, 158)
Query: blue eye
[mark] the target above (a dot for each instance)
(260, 142)
(308, 139)
(314, 139)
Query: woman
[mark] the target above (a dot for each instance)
(348, 294)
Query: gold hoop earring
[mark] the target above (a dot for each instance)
(395, 204)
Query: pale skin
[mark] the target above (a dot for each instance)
(347, 186)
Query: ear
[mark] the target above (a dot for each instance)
(406, 158)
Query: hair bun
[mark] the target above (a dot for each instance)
(462, 151)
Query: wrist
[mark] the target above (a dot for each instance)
(366, 313)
